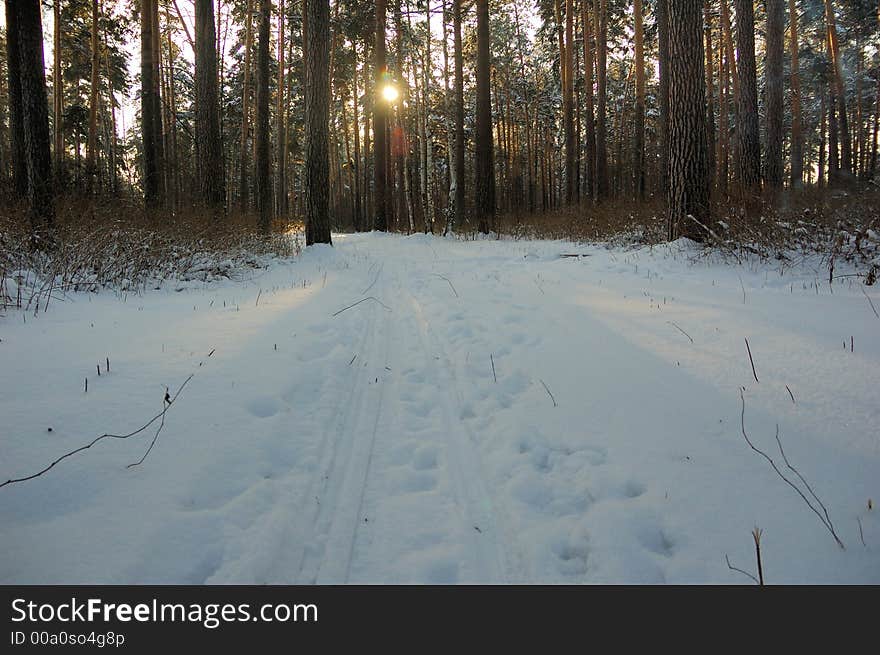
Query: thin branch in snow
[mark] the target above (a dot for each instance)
(675, 325)
(790, 394)
(751, 360)
(745, 573)
(861, 532)
(450, 283)
(492, 359)
(359, 302)
(158, 417)
(871, 302)
(549, 393)
(791, 484)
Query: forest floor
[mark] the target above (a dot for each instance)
(489, 412)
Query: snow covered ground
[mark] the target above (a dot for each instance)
(492, 413)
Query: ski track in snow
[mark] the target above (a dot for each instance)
(412, 438)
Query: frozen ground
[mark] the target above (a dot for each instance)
(413, 438)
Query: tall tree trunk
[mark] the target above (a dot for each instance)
(797, 139)
(280, 127)
(358, 207)
(451, 181)
(688, 142)
(833, 145)
(152, 166)
(601, 12)
(639, 136)
(317, 110)
(244, 165)
(380, 126)
(210, 172)
(774, 107)
(16, 110)
(35, 113)
(749, 150)
(458, 190)
(839, 89)
(567, 60)
(428, 136)
(57, 93)
(263, 177)
(710, 92)
(727, 38)
(484, 161)
(91, 168)
(158, 110)
(662, 18)
(590, 137)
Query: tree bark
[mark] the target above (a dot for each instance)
(210, 172)
(484, 164)
(16, 110)
(458, 190)
(91, 168)
(244, 165)
(797, 139)
(317, 110)
(35, 116)
(749, 150)
(57, 94)
(601, 13)
(380, 126)
(262, 171)
(639, 136)
(773, 109)
(688, 143)
(845, 163)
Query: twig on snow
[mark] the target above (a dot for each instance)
(871, 302)
(675, 325)
(450, 283)
(158, 417)
(549, 393)
(751, 360)
(745, 573)
(359, 302)
(825, 521)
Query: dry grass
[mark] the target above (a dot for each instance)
(835, 226)
(117, 245)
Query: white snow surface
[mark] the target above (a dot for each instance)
(413, 438)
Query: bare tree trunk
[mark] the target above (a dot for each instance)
(280, 128)
(458, 190)
(380, 125)
(710, 93)
(566, 49)
(662, 9)
(151, 160)
(747, 115)
(28, 26)
(91, 169)
(263, 177)
(775, 49)
(243, 168)
(688, 143)
(588, 87)
(16, 110)
(601, 12)
(317, 108)
(210, 174)
(839, 90)
(639, 136)
(58, 94)
(797, 139)
(484, 161)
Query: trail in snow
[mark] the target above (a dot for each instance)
(378, 445)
